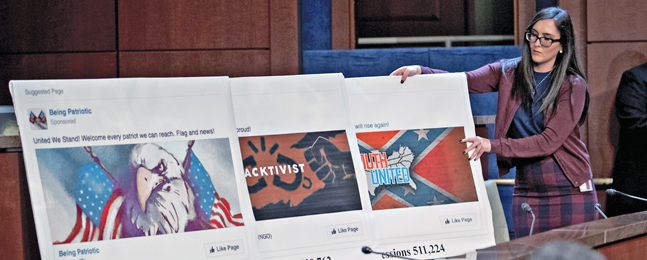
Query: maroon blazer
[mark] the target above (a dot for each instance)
(561, 136)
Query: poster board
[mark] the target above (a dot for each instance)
(263, 167)
(314, 210)
(133, 168)
(428, 199)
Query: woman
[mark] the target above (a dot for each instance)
(543, 100)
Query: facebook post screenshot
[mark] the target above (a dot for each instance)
(140, 168)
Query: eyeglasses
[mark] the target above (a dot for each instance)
(546, 42)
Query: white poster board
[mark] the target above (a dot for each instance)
(301, 167)
(428, 200)
(288, 167)
(133, 168)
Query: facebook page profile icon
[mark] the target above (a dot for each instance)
(37, 119)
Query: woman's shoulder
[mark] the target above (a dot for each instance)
(509, 63)
(575, 83)
(505, 67)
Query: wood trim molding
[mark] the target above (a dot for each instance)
(284, 37)
(524, 10)
(343, 24)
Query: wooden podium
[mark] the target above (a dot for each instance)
(621, 237)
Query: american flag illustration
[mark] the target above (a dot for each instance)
(215, 208)
(32, 117)
(42, 117)
(99, 201)
(439, 172)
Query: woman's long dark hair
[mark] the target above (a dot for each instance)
(566, 64)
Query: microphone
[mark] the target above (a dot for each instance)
(527, 209)
(597, 206)
(367, 250)
(612, 192)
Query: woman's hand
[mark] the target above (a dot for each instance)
(479, 144)
(407, 71)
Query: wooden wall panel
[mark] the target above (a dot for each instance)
(577, 10)
(284, 37)
(174, 25)
(41, 39)
(621, 20)
(54, 66)
(606, 63)
(343, 24)
(524, 11)
(51, 26)
(234, 63)
(632, 248)
(18, 233)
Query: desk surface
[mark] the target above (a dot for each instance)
(594, 234)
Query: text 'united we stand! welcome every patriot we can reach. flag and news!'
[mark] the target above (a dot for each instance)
(289, 167)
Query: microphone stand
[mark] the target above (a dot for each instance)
(527, 208)
(367, 250)
(597, 206)
(612, 192)
(532, 226)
